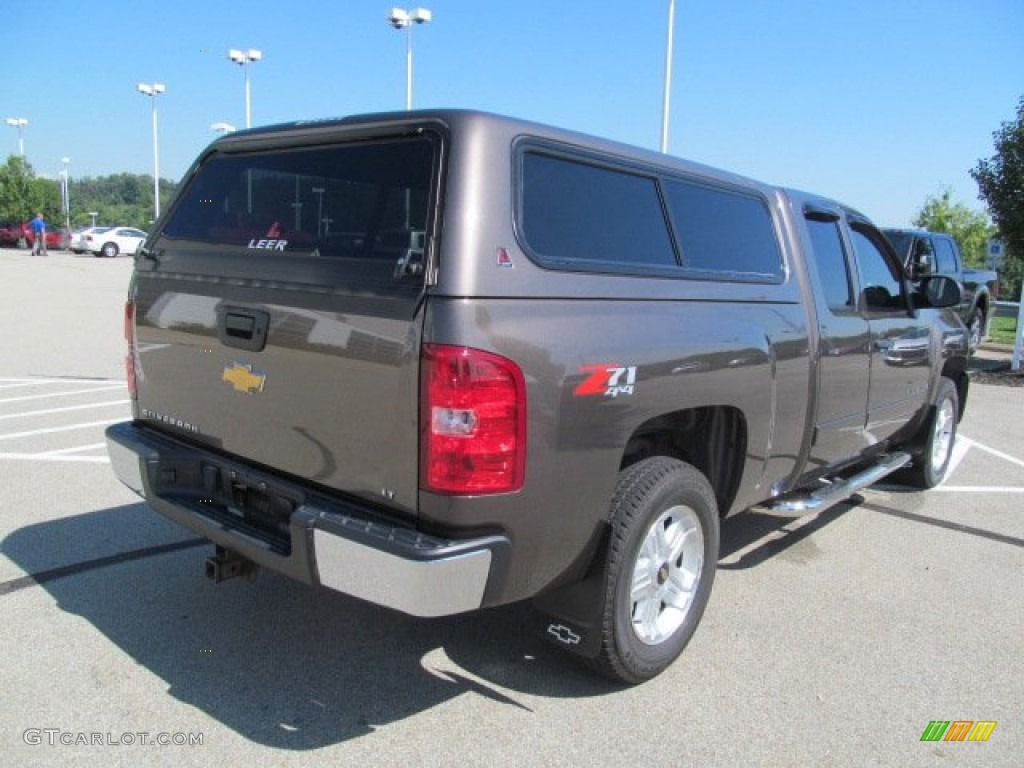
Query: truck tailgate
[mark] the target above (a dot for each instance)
(277, 317)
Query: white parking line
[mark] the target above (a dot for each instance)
(960, 450)
(48, 457)
(68, 428)
(980, 488)
(11, 383)
(999, 454)
(62, 394)
(86, 406)
(76, 449)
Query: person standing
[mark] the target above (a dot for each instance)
(38, 227)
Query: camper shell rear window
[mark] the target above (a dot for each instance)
(368, 199)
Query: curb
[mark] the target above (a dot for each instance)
(992, 346)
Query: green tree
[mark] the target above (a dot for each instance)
(119, 199)
(22, 195)
(970, 229)
(1001, 185)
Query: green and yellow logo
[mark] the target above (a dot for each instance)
(958, 730)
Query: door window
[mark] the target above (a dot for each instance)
(945, 258)
(881, 280)
(830, 259)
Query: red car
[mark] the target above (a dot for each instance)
(55, 237)
(11, 233)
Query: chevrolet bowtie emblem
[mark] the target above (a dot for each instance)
(242, 378)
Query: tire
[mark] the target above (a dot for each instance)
(656, 586)
(110, 250)
(975, 329)
(930, 467)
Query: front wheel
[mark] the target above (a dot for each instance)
(975, 330)
(931, 466)
(110, 250)
(662, 557)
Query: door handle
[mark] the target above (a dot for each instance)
(242, 328)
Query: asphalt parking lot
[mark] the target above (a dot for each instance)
(832, 639)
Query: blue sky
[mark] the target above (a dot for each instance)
(877, 103)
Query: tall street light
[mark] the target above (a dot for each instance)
(244, 59)
(668, 76)
(19, 123)
(153, 90)
(402, 19)
(65, 176)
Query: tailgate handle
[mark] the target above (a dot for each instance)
(242, 328)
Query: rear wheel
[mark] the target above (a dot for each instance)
(930, 467)
(110, 250)
(662, 557)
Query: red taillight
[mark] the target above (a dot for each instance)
(129, 336)
(473, 421)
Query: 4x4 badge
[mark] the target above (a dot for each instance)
(243, 379)
(607, 379)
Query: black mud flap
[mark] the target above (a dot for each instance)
(570, 616)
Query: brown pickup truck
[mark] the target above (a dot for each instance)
(445, 360)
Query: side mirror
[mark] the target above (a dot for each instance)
(938, 292)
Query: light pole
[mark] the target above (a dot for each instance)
(153, 90)
(668, 76)
(93, 215)
(402, 19)
(319, 192)
(65, 175)
(19, 123)
(244, 59)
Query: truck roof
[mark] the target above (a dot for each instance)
(467, 121)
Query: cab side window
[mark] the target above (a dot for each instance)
(830, 259)
(945, 257)
(881, 279)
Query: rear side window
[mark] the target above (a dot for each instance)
(574, 212)
(352, 200)
(721, 231)
(586, 215)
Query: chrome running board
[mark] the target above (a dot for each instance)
(822, 498)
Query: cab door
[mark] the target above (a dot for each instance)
(901, 349)
(844, 343)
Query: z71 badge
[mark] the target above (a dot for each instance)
(608, 380)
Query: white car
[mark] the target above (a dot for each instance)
(78, 237)
(114, 240)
